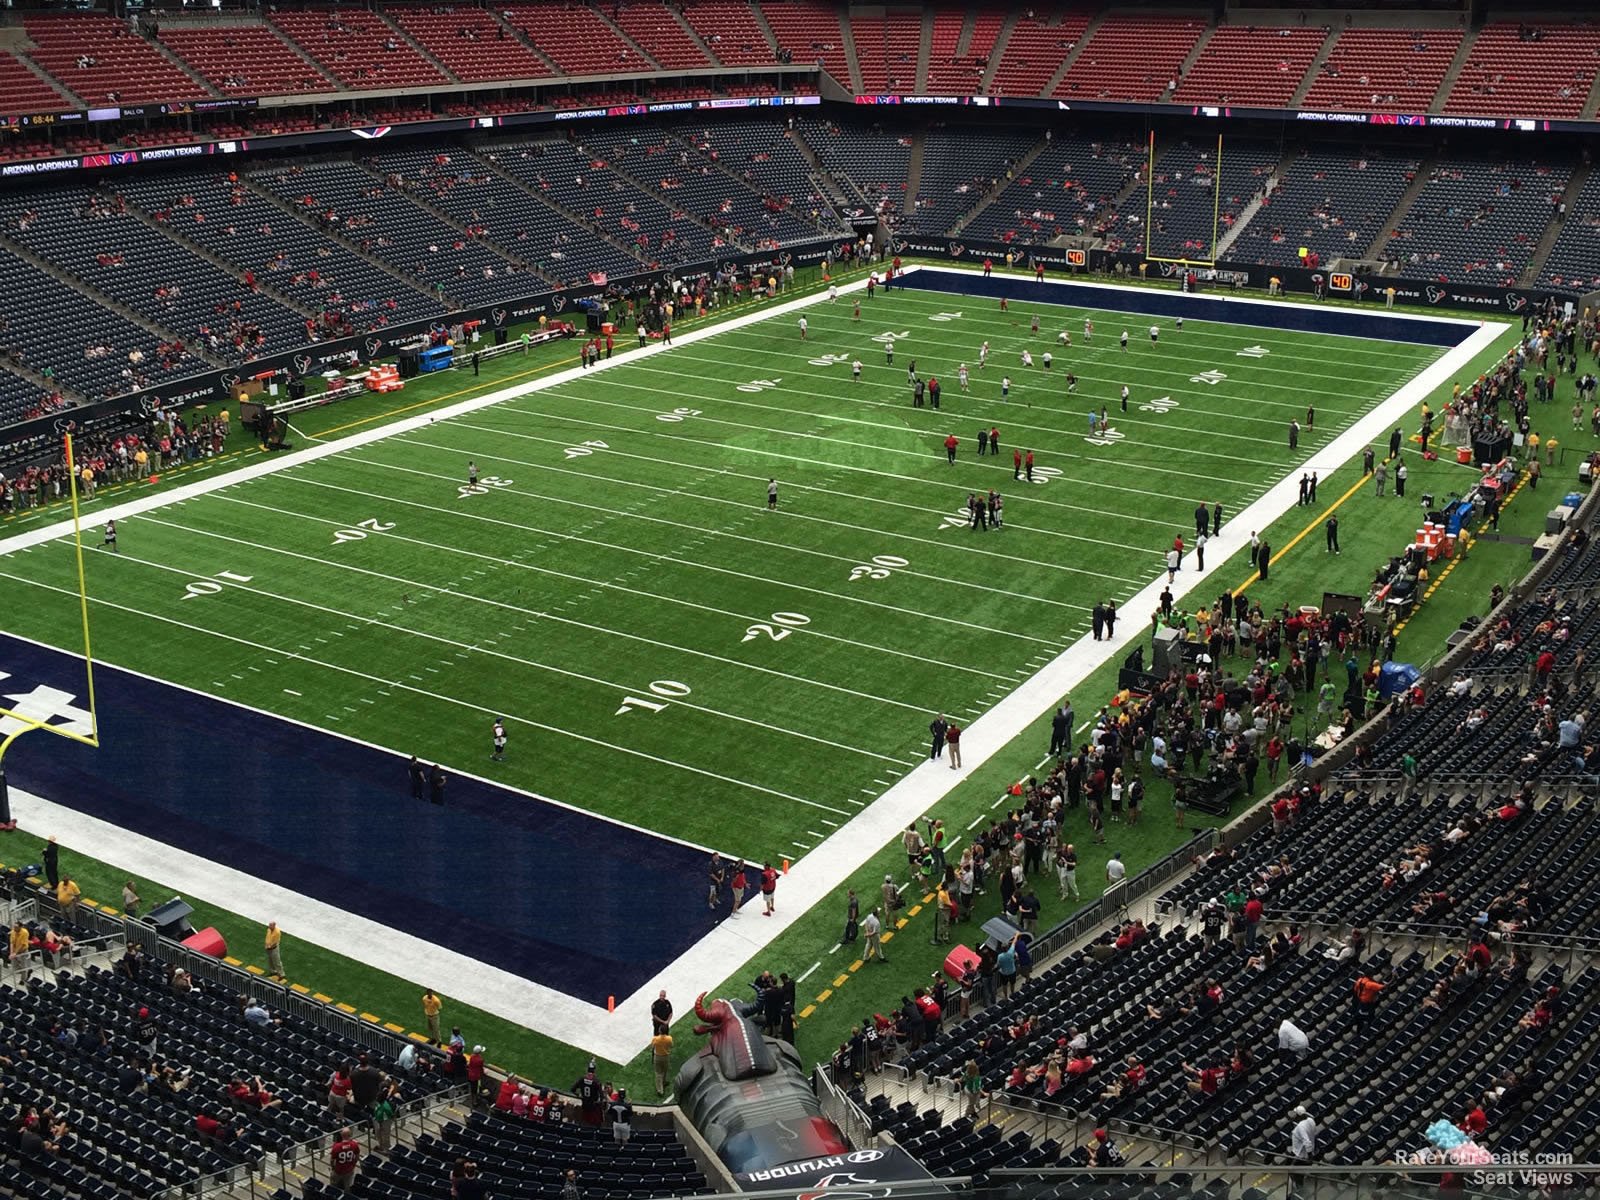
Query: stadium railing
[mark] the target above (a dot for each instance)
(841, 1110)
(325, 1013)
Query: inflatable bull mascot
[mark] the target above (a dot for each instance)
(749, 1095)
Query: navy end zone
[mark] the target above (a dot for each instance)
(1299, 318)
(561, 898)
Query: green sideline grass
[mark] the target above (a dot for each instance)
(865, 456)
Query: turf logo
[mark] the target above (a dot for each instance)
(828, 360)
(1252, 352)
(888, 336)
(1211, 377)
(944, 316)
(50, 705)
(1161, 404)
(1109, 437)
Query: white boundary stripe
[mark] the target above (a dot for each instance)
(617, 1036)
(272, 464)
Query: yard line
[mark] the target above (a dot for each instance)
(549, 616)
(612, 586)
(869, 791)
(1000, 408)
(976, 821)
(800, 845)
(1084, 726)
(874, 447)
(810, 969)
(655, 556)
(290, 692)
(1041, 762)
(462, 649)
(475, 708)
(815, 834)
(765, 543)
(760, 479)
(1227, 339)
(790, 514)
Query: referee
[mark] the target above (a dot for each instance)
(499, 735)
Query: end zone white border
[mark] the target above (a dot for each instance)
(620, 1035)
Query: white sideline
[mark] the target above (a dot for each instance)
(621, 1035)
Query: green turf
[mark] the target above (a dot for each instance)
(616, 586)
(862, 473)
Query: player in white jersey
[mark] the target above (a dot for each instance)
(1064, 337)
(802, 329)
(499, 736)
(1124, 340)
(1046, 360)
(1027, 358)
(1088, 329)
(962, 375)
(983, 355)
(833, 293)
(1124, 397)
(1155, 334)
(855, 370)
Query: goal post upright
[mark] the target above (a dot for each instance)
(26, 723)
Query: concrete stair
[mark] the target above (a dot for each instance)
(1018, 169)
(1463, 51)
(1409, 197)
(293, 214)
(104, 300)
(689, 32)
(1195, 52)
(925, 50)
(1066, 64)
(1248, 212)
(172, 58)
(421, 201)
(631, 44)
(528, 42)
(847, 39)
(1314, 70)
(263, 285)
(766, 29)
(919, 145)
(405, 37)
(1553, 230)
(999, 50)
(820, 175)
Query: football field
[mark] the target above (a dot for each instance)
(664, 650)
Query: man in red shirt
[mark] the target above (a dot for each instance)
(1253, 910)
(952, 737)
(1542, 666)
(769, 888)
(343, 1159)
(950, 444)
